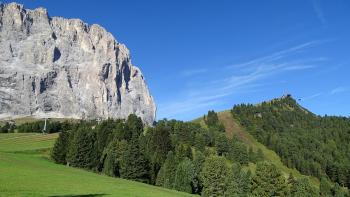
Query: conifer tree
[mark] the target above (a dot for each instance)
(303, 188)
(238, 182)
(214, 175)
(325, 187)
(184, 176)
(166, 175)
(114, 153)
(83, 149)
(134, 165)
(60, 148)
(268, 181)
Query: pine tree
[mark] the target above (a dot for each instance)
(166, 175)
(268, 181)
(60, 148)
(238, 182)
(114, 153)
(183, 151)
(303, 188)
(134, 165)
(133, 126)
(214, 174)
(238, 152)
(184, 176)
(83, 149)
(212, 119)
(198, 162)
(325, 187)
(222, 144)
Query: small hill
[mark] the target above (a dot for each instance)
(26, 170)
(234, 129)
(314, 145)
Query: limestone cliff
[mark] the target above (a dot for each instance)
(57, 67)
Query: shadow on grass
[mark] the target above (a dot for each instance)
(80, 195)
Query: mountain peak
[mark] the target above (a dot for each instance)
(64, 68)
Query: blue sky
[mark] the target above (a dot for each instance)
(198, 55)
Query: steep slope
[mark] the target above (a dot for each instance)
(315, 145)
(233, 128)
(64, 68)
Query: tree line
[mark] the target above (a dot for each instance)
(314, 145)
(52, 126)
(177, 155)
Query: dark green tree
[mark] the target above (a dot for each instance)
(157, 144)
(214, 173)
(83, 149)
(238, 182)
(222, 144)
(60, 148)
(133, 127)
(184, 176)
(198, 162)
(238, 152)
(113, 155)
(325, 187)
(134, 165)
(212, 118)
(302, 187)
(183, 151)
(166, 174)
(268, 181)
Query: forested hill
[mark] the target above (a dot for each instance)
(315, 145)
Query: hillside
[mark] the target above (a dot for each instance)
(26, 170)
(234, 129)
(315, 145)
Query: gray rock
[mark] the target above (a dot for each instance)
(64, 68)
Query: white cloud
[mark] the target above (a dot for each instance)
(339, 90)
(300, 67)
(313, 96)
(238, 79)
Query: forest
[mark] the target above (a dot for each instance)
(314, 145)
(178, 155)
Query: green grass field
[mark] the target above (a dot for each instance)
(26, 170)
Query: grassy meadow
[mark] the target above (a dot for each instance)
(26, 170)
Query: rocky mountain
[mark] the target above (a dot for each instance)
(57, 67)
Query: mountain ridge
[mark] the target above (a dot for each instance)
(54, 67)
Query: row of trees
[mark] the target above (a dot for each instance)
(38, 126)
(8, 127)
(172, 154)
(315, 145)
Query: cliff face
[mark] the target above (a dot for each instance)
(56, 67)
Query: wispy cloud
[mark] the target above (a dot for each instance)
(188, 73)
(239, 79)
(300, 67)
(319, 12)
(311, 97)
(338, 90)
(279, 54)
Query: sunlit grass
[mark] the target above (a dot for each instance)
(26, 170)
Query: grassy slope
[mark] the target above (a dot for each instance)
(233, 128)
(26, 170)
